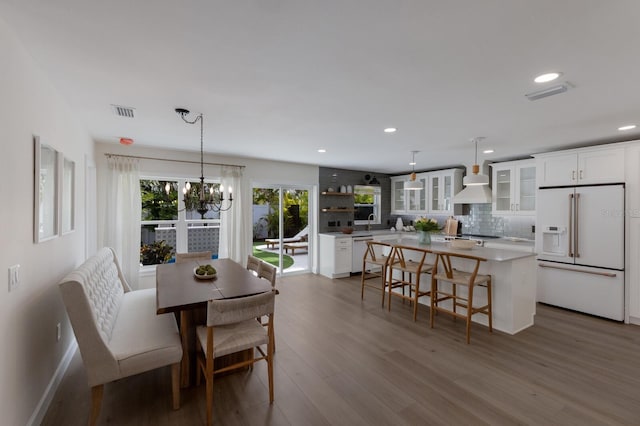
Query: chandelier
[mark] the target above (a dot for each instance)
(206, 197)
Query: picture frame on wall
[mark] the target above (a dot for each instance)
(45, 205)
(67, 196)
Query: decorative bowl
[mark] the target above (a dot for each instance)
(463, 244)
(203, 277)
(346, 230)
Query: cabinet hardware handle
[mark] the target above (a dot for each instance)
(511, 206)
(581, 175)
(573, 175)
(518, 207)
(577, 225)
(604, 274)
(570, 224)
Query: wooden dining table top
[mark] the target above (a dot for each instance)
(177, 288)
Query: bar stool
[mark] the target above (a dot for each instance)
(456, 278)
(408, 261)
(377, 258)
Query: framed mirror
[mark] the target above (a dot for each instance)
(67, 199)
(45, 206)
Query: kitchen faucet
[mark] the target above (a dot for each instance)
(371, 216)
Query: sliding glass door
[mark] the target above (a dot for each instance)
(281, 227)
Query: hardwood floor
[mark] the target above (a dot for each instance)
(341, 361)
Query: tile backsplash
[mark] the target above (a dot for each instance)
(481, 221)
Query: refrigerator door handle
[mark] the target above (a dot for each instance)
(577, 224)
(570, 224)
(604, 274)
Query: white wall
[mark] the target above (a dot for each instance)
(28, 315)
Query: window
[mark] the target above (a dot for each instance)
(168, 225)
(366, 202)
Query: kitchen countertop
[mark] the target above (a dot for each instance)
(403, 234)
(489, 254)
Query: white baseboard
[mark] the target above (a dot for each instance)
(43, 404)
(634, 320)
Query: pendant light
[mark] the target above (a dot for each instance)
(412, 184)
(476, 178)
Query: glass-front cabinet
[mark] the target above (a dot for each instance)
(443, 185)
(405, 201)
(514, 188)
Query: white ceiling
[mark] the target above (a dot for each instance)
(278, 79)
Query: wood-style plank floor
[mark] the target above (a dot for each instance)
(343, 361)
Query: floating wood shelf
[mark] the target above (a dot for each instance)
(337, 193)
(338, 210)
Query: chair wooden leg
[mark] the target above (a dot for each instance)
(209, 392)
(415, 298)
(185, 320)
(96, 402)
(270, 350)
(175, 385)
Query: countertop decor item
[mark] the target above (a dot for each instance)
(463, 244)
(346, 230)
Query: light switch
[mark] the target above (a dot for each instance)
(14, 277)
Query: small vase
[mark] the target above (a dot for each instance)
(424, 238)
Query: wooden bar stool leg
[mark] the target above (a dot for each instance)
(469, 312)
(384, 282)
(489, 301)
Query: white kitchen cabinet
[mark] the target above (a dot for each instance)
(514, 188)
(443, 185)
(633, 267)
(335, 255)
(583, 166)
(405, 201)
(632, 179)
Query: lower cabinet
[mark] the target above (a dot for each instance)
(633, 268)
(335, 256)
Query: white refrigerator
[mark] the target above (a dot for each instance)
(580, 246)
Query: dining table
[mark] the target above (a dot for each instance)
(179, 290)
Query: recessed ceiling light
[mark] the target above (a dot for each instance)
(413, 163)
(390, 130)
(629, 127)
(322, 150)
(544, 78)
(487, 151)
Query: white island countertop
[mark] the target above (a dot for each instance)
(493, 254)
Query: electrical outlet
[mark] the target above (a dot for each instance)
(58, 332)
(14, 277)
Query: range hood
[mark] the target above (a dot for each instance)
(474, 194)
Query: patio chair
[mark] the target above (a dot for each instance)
(300, 236)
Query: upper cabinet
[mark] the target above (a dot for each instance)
(443, 185)
(436, 196)
(514, 188)
(581, 167)
(408, 201)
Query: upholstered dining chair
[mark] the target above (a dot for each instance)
(253, 264)
(231, 327)
(196, 255)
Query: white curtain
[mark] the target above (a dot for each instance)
(122, 215)
(233, 228)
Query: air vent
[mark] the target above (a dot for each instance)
(123, 111)
(550, 91)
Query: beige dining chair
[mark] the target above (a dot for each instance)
(253, 264)
(195, 255)
(231, 327)
(457, 278)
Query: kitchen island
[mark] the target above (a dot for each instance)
(513, 272)
(514, 282)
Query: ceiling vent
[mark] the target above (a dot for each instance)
(550, 91)
(123, 111)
